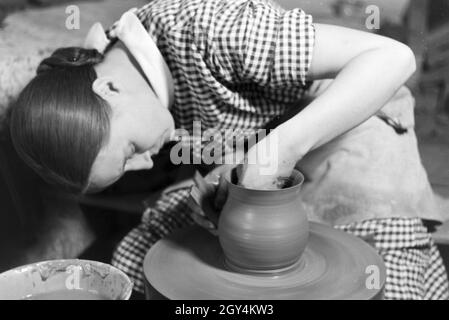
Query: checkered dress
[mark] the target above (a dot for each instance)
(237, 64)
(415, 269)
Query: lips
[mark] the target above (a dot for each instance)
(156, 147)
(147, 155)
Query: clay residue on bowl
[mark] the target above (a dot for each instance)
(53, 276)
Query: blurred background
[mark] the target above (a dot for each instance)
(40, 222)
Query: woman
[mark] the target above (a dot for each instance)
(87, 118)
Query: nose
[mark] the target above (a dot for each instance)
(140, 161)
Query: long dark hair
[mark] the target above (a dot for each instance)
(58, 124)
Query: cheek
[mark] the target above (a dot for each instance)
(103, 173)
(147, 128)
(148, 122)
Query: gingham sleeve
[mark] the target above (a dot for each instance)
(265, 44)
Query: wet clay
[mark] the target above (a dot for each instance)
(70, 279)
(263, 230)
(67, 295)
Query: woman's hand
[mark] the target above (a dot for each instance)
(367, 70)
(208, 196)
(270, 160)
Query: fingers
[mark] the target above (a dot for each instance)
(221, 194)
(249, 177)
(213, 187)
(239, 170)
(197, 214)
(203, 222)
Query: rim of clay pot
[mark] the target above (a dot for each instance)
(298, 180)
(124, 295)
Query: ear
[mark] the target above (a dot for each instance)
(96, 38)
(106, 88)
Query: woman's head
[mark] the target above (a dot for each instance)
(58, 118)
(86, 118)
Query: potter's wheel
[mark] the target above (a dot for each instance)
(190, 265)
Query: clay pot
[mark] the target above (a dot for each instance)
(263, 230)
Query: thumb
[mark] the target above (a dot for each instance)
(221, 194)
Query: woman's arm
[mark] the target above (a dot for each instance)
(368, 69)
